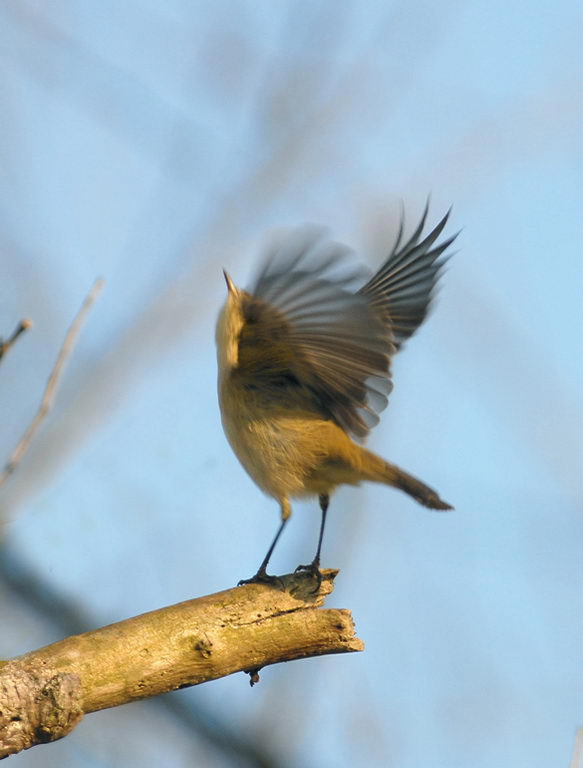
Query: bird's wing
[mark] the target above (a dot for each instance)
(307, 334)
(402, 288)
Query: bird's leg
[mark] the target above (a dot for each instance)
(262, 576)
(324, 500)
(314, 566)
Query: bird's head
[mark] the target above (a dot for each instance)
(229, 326)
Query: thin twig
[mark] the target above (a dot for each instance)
(22, 326)
(53, 380)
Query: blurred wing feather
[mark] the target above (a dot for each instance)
(308, 332)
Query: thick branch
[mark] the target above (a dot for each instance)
(45, 693)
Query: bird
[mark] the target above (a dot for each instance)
(304, 366)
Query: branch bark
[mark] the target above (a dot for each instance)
(45, 693)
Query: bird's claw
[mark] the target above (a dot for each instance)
(261, 577)
(314, 570)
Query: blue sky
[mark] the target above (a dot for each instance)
(154, 145)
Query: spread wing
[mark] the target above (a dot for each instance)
(403, 287)
(309, 337)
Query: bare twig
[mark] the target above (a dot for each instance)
(45, 693)
(53, 380)
(22, 326)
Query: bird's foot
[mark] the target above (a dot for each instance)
(262, 577)
(313, 569)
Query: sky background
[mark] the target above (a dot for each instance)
(154, 144)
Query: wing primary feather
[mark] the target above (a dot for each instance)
(400, 230)
(416, 234)
(412, 251)
(402, 289)
(417, 263)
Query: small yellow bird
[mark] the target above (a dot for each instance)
(304, 367)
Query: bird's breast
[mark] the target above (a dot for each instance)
(279, 444)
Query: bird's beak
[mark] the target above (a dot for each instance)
(230, 284)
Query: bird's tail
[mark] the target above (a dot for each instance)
(380, 471)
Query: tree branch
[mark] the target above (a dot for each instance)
(200, 721)
(45, 693)
(53, 380)
(22, 326)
